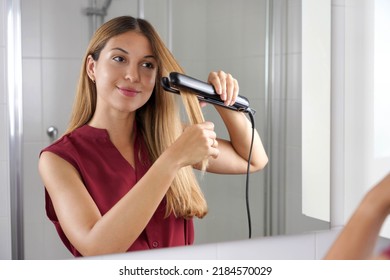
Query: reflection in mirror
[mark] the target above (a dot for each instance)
(260, 45)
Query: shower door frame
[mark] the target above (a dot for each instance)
(15, 110)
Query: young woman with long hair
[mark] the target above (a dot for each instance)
(121, 177)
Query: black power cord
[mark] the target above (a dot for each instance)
(252, 119)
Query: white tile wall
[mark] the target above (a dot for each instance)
(31, 29)
(126, 7)
(336, 3)
(294, 18)
(32, 100)
(59, 81)
(185, 36)
(64, 29)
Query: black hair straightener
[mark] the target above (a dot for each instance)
(204, 91)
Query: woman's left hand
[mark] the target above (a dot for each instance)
(225, 85)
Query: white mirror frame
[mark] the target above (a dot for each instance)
(316, 57)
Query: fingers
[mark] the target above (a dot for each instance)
(211, 138)
(214, 143)
(201, 141)
(225, 85)
(209, 134)
(214, 151)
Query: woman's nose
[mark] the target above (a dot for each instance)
(132, 73)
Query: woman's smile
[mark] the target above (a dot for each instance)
(129, 92)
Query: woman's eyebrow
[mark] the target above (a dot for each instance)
(150, 56)
(126, 52)
(120, 49)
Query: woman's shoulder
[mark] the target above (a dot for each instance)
(75, 138)
(64, 142)
(66, 147)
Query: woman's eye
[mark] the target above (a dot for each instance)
(148, 65)
(119, 59)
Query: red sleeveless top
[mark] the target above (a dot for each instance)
(108, 177)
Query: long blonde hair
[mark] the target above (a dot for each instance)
(158, 120)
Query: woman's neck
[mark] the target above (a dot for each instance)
(120, 128)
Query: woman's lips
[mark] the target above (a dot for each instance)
(128, 91)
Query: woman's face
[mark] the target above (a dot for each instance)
(125, 72)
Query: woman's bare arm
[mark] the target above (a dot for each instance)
(358, 238)
(93, 234)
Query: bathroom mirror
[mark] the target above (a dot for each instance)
(259, 41)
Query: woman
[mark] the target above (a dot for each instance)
(121, 177)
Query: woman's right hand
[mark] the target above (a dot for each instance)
(197, 143)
